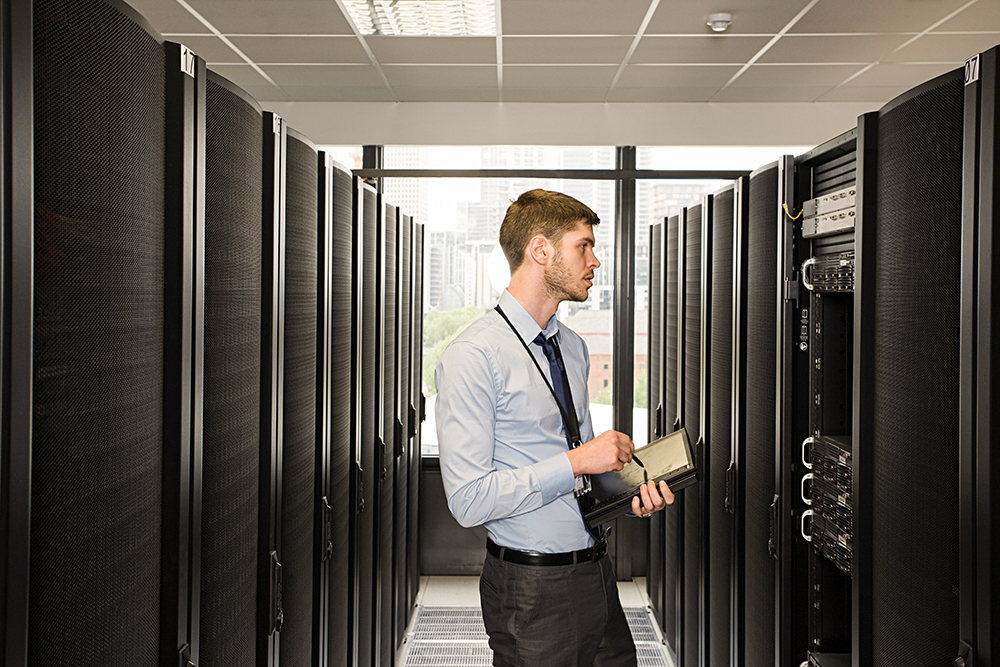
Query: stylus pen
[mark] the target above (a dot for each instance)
(636, 459)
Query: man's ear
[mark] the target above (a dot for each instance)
(539, 250)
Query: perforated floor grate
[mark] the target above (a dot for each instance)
(454, 637)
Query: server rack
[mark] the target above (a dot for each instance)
(416, 409)
(905, 404)
(322, 604)
(654, 579)
(792, 426)
(738, 465)
(760, 420)
(826, 188)
(690, 407)
(99, 269)
(297, 501)
(385, 379)
(673, 514)
(335, 539)
(980, 501)
(232, 375)
(718, 345)
(16, 324)
(269, 617)
(364, 414)
(184, 321)
(401, 580)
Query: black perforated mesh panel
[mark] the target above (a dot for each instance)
(341, 452)
(231, 412)
(298, 447)
(915, 608)
(718, 437)
(692, 413)
(671, 411)
(654, 581)
(366, 569)
(758, 576)
(402, 380)
(97, 449)
(387, 389)
(416, 396)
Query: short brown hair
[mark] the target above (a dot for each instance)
(535, 212)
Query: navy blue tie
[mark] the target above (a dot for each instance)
(560, 383)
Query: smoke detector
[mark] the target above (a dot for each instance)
(719, 22)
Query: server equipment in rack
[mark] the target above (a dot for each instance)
(830, 515)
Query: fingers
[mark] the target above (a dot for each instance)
(651, 499)
(667, 494)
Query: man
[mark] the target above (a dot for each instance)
(506, 430)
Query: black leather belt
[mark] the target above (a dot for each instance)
(593, 553)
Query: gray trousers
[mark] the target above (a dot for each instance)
(555, 616)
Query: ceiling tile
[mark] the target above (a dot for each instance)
(572, 17)
(944, 48)
(877, 95)
(454, 94)
(266, 17)
(788, 76)
(653, 76)
(663, 94)
(749, 16)
(324, 75)
(697, 49)
(338, 93)
(831, 49)
(211, 49)
(167, 16)
(441, 76)
(247, 78)
(519, 76)
(984, 15)
(887, 16)
(892, 74)
(565, 50)
(331, 50)
(433, 50)
(770, 94)
(564, 94)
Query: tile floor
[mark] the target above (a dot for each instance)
(446, 627)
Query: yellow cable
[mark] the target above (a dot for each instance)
(788, 213)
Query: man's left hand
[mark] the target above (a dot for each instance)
(651, 500)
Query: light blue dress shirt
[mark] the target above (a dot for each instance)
(501, 437)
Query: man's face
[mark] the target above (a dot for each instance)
(571, 274)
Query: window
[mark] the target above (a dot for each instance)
(465, 270)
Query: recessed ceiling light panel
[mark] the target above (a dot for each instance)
(423, 17)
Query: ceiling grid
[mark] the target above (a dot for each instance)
(587, 52)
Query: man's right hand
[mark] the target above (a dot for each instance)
(610, 450)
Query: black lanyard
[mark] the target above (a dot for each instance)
(572, 424)
(582, 484)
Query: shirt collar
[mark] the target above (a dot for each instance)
(524, 323)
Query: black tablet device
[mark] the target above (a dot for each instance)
(668, 459)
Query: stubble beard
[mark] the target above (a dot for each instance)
(560, 282)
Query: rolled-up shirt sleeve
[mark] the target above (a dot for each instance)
(478, 488)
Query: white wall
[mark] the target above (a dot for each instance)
(636, 124)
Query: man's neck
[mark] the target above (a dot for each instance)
(537, 304)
